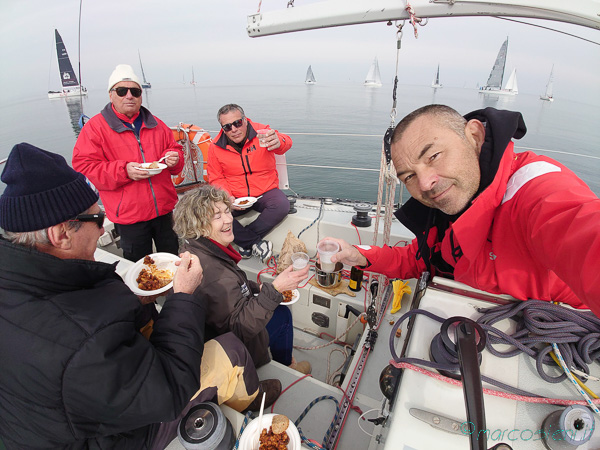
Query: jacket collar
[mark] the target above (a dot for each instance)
(222, 141)
(210, 247)
(149, 121)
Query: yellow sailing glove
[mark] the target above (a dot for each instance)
(400, 288)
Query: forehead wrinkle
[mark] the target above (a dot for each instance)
(422, 153)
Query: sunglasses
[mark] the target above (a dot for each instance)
(97, 218)
(236, 123)
(122, 91)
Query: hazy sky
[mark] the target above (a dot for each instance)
(175, 35)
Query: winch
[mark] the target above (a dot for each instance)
(205, 427)
(362, 219)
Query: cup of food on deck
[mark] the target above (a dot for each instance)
(262, 136)
(300, 260)
(277, 432)
(326, 250)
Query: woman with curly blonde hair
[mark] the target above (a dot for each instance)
(251, 311)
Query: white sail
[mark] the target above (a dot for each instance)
(193, 82)
(373, 77)
(549, 95)
(310, 76)
(436, 81)
(511, 84)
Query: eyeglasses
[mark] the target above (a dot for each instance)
(98, 218)
(236, 123)
(122, 91)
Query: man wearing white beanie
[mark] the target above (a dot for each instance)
(109, 151)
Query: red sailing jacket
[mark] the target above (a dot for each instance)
(533, 233)
(104, 148)
(247, 174)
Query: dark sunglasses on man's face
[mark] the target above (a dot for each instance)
(98, 218)
(236, 123)
(122, 91)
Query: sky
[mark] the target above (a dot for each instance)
(211, 37)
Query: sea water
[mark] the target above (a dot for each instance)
(337, 126)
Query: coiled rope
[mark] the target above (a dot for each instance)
(539, 325)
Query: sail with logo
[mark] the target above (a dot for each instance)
(70, 85)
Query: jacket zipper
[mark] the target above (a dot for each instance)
(149, 180)
(246, 172)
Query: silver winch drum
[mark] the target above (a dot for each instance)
(205, 427)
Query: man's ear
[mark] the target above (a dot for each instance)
(59, 236)
(475, 133)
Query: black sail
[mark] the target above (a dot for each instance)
(67, 74)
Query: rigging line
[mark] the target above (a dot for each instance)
(79, 65)
(332, 167)
(558, 151)
(548, 28)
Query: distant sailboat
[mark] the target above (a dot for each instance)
(145, 84)
(436, 81)
(548, 96)
(71, 87)
(494, 82)
(310, 76)
(373, 76)
(193, 82)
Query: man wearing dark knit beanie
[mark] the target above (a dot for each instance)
(76, 371)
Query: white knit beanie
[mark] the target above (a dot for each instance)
(123, 72)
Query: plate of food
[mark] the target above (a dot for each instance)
(152, 274)
(277, 432)
(153, 168)
(245, 202)
(290, 297)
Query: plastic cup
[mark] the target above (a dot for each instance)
(326, 250)
(300, 260)
(262, 137)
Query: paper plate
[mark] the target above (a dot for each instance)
(162, 261)
(161, 166)
(249, 439)
(295, 298)
(251, 201)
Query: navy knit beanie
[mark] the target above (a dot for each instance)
(41, 190)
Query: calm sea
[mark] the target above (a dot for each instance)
(331, 125)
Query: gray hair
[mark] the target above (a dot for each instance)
(446, 116)
(32, 239)
(195, 210)
(228, 108)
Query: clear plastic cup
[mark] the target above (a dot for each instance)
(262, 136)
(300, 260)
(326, 250)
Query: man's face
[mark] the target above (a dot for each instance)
(439, 168)
(236, 134)
(85, 239)
(128, 105)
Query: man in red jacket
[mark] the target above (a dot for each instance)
(109, 151)
(244, 166)
(503, 222)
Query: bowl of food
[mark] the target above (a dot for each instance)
(153, 168)
(290, 297)
(152, 274)
(276, 429)
(244, 202)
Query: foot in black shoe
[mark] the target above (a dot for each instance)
(272, 388)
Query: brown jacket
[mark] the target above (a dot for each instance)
(231, 303)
